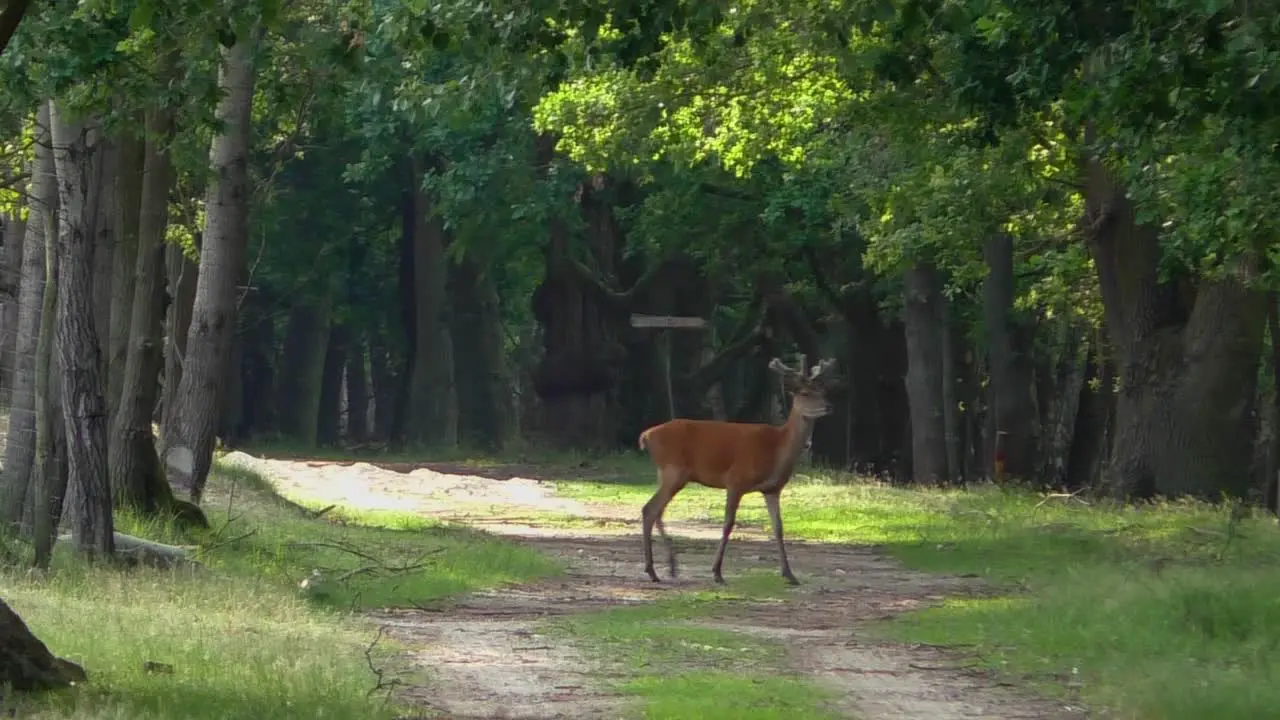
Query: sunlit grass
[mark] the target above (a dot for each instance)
(242, 639)
(1168, 610)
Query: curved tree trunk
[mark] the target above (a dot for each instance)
(134, 465)
(1188, 358)
(26, 663)
(923, 318)
(75, 148)
(222, 260)
(41, 234)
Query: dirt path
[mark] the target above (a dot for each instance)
(487, 660)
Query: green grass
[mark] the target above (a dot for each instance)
(243, 640)
(1167, 611)
(678, 669)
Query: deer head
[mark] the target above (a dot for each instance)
(808, 389)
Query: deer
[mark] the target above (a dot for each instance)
(736, 457)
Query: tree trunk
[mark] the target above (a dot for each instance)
(432, 417)
(1187, 355)
(1064, 408)
(329, 411)
(26, 663)
(41, 235)
(951, 420)
(133, 461)
(577, 378)
(101, 214)
(15, 233)
(258, 368)
(128, 198)
(222, 260)
(75, 148)
(1012, 370)
(385, 388)
(486, 416)
(301, 370)
(922, 315)
(357, 391)
(50, 475)
(180, 283)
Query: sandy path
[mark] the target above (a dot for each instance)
(487, 660)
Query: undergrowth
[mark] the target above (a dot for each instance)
(239, 637)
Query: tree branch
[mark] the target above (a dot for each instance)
(620, 300)
(10, 18)
(747, 334)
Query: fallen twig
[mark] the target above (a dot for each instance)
(344, 547)
(378, 673)
(229, 541)
(1063, 496)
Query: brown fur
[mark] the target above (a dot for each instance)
(735, 457)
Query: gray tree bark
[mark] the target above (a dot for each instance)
(20, 446)
(128, 196)
(136, 476)
(15, 233)
(75, 148)
(222, 258)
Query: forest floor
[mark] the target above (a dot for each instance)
(602, 641)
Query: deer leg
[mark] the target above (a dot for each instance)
(671, 548)
(775, 518)
(652, 515)
(732, 498)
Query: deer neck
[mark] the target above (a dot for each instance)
(795, 434)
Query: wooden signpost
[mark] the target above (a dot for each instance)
(668, 322)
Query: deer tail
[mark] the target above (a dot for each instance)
(644, 439)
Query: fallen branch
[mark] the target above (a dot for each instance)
(148, 552)
(1063, 496)
(230, 541)
(378, 673)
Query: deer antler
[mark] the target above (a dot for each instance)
(821, 368)
(781, 368)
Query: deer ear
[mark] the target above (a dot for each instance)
(779, 367)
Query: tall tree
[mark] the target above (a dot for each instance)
(76, 143)
(222, 258)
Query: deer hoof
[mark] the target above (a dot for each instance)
(652, 575)
(791, 579)
(719, 578)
